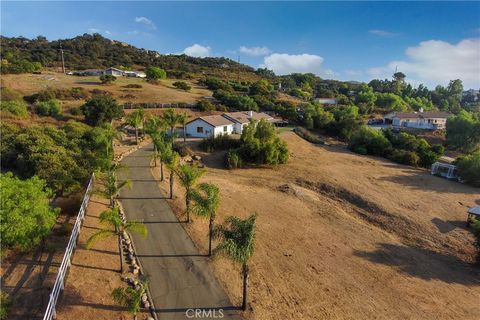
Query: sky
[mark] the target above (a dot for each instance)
(431, 42)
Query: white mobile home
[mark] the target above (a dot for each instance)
(114, 72)
(430, 120)
(204, 127)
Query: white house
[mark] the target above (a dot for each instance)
(114, 72)
(420, 120)
(242, 118)
(204, 127)
(227, 123)
(134, 74)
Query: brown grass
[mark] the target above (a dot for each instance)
(342, 236)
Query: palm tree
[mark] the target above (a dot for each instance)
(237, 243)
(111, 187)
(171, 118)
(130, 298)
(111, 217)
(206, 201)
(188, 176)
(103, 138)
(136, 119)
(163, 148)
(170, 157)
(182, 119)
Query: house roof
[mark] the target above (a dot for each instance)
(243, 117)
(111, 68)
(424, 115)
(215, 121)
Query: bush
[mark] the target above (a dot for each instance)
(133, 86)
(25, 213)
(369, 141)
(205, 105)
(220, 142)
(48, 108)
(182, 85)
(156, 73)
(217, 84)
(404, 157)
(307, 135)
(107, 78)
(101, 109)
(4, 305)
(74, 93)
(7, 94)
(65, 229)
(233, 159)
(17, 108)
(75, 111)
(469, 168)
(182, 149)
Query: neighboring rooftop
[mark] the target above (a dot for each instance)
(216, 120)
(245, 116)
(419, 115)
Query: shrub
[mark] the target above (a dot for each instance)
(17, 108)
(233, 159)
(25, 213)
(205, 105)
(48, 108)
(369, 141)
(4, 305)
(307, 135)
(220, 142)
(107, 78)
(404, 157)
(75, 111)
(65, 229)
(182, 149)
(133, 86)
(217, 84)
(101, 109)
(155, 73)
(469, 168)
(8, 94)
(182, 85)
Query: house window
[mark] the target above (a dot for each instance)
(199, 129)
(225, 128)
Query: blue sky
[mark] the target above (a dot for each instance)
(432, 42)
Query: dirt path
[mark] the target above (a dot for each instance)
(180, 277)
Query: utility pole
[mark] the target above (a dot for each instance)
(63, 61)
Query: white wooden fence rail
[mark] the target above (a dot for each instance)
(59, 285)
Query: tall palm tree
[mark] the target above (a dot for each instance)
(103, 138)
(170, 157)
(111, 187)
(182, 119)
(136, 119)
(237, 241)
(163, 148)
(171, 118)
(206, 200)
(188, 176)
(130, 298)
(111, 217)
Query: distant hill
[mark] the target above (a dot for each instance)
(95, 51)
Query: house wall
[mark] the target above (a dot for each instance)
(431, 123)
(221, 130)
(191, 129)
(114, 73)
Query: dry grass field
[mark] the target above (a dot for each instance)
(343, 236)
(164, 92)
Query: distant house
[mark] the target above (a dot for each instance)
(204, 127)
(327, 101)
(227, 123)
(88, 72)
(134, 74)
(114, 72)
(242, 118)
(430, 120)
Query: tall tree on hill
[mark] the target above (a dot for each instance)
(189, 176)
(136, 119)
(206, 200)
(111, 217)
(237, 241)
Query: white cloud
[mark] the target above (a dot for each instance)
(383, 33)
(93, 30)
(108, 32)
(198, 50)
(145, 21)
(436, 62)
(255, 51)
(282, 63)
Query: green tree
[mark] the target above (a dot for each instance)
(182, 119)
(469, 168)
(206, 200)
(48, 108)
(17, 108)
(463, 131)
(110, 186)
(261, 87)
(107, 78)
(188, 176)
(182, 85)
(170, 158)
(238, 243)
(116, 226)
(25, 214)
(130, 298)
(172, 119)
(136, 120)
(101, 109)
(156, 73)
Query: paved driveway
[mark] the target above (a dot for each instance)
(180, 278)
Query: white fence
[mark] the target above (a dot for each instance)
(59, 285)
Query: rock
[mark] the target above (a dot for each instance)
(144, 297)
(135, 271)
(138, 287)
(196, 157)
(146, 304)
